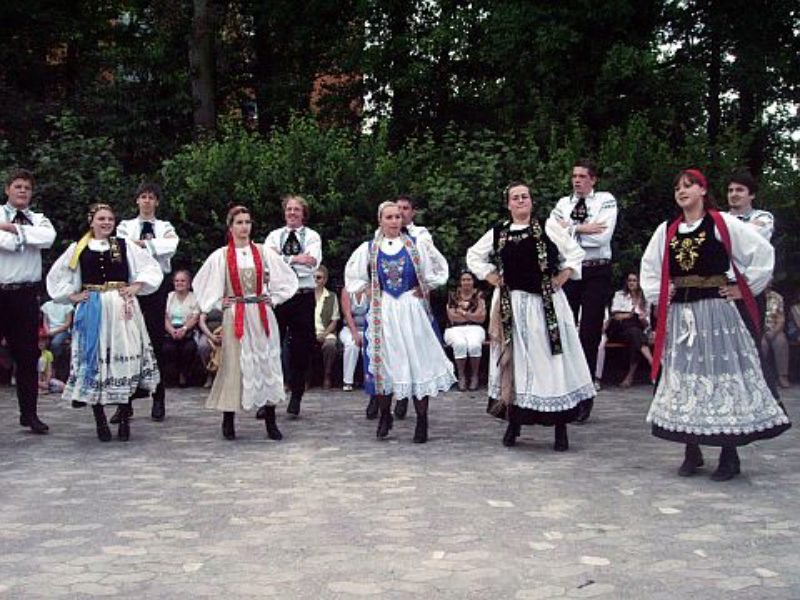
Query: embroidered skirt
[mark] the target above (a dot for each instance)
(712, 390)
(548, 388)
(125, 359)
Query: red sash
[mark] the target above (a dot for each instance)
(663, 296)
(236, 283)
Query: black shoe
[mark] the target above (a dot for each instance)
(693, 460)
(103, 431)
(421, 430)
(728, 467)
(584, 410)
(561, 443)
(78, 404)
(512, 433)
(159, 411)
(36, 425)
(228, 431)
(372, 408)
(140, 393)
(261, 413)
(273, 432)
(401, 409)
(294, 406)
(384, 425)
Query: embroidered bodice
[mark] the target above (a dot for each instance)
(520, 260)
(396, 273)
(698, 252)
(101, 266)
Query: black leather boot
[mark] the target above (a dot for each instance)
(124, 428)
(372, 408)
(728, 467)
(115, 418)
(228, 430)
(385, 420)
(273, 432)
(421, 429)
(294, 406)
(159, 411)
(103, 431)
(513, 430)
(401, 409)
(584, 410)
(561, 443)
(693, 460)
(261, 413)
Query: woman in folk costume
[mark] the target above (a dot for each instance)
(403, 355)
(248, 280)
(712, 390)
(537, 370)
(111, 353)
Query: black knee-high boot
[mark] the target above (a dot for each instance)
(513, 430)
(273, 432)
(385, 420)
(693, 460)
(372, 408)
(124, 427)
(728, 464)
(228, 430)
(561, 443)
(421, 429)
(103, 432)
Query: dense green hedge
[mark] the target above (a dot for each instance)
(458, 180)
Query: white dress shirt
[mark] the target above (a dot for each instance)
(162, 246)
(310, 243)
(761, 220)
(601, 207)
(20, 252)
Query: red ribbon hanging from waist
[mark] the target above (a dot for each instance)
(236, 283)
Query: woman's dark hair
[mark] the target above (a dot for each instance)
(695, 176)
(471, 274)
(511, 186)
(625, 281)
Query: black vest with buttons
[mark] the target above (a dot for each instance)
(700, 253)
(98, 268)
(520, 259)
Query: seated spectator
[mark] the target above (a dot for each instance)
(354, 310)
(209, 342)
(47, 382)
(774, 337)
(466, 312)
(629, 323)
(58, 322)
(326, 320)
(180, 319)
(792, 327)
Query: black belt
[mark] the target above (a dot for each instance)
(27, 285)
(597, 262)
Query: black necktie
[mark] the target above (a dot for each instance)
(21, 219)
(148, 232)
(291, 247)
(579, 213)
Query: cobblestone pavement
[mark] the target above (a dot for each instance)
(331, 512)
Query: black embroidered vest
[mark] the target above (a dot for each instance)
(98, 268)
(520, 259)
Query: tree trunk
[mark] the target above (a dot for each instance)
(202, 66)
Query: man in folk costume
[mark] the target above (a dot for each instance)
(711, 389)
(301, 248)
(160, 240)
(23, 236)
(589, 217)
(537, 370)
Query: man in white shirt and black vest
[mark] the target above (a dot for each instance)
(301, 249)
(590, 217)
(23, 236)
(161, 242)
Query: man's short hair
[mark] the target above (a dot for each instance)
(148, 187)
(406, 198)
(18, 173)
(301, 201)
(587, 164)
(745, 178)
